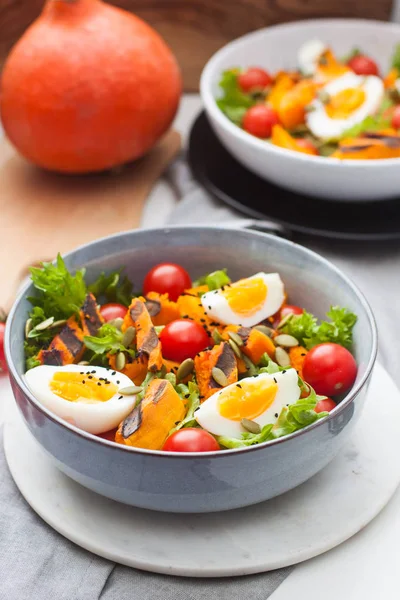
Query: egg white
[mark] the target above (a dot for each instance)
(323, 126)
(209, 418)
(93, 418)
(308, 56)
(216, 305)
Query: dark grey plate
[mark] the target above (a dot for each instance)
(233, 184)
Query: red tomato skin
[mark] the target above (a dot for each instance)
(167, 278)
(183, 339)
(363, 65)
(303, 143)
(259, 120)
(330, 369)
(191, 439)
(290, 309)
(113, 310)
(3, 363)
(325, 405)
(254, 78)
(396, 117)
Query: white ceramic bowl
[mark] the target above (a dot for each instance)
(276, 48)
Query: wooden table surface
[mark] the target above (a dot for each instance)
(195, 29)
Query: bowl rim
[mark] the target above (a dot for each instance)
(347, 400)
(217, 115)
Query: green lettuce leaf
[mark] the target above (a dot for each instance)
(248, 439)
(191, 395)
(395, 64)
(61, 294)
(31, 351)
(306, 329)
(214, 280)
(233, 102)
(107, 340)
(112, 288)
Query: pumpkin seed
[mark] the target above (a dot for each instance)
(235, 349)
(282, 357)
(84, 363)
(120, 361)
(128, 337)
(130, 390)
(117, 323)
(235, 337)
(185, 368)
(286, 340)
(57, 323)
(250, 426)
(219, 377)
(28, 327)
(45, 324)
(216, 336)
(285, 320)
(264, 329)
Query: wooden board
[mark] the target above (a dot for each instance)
(44, 213)
(195, 29)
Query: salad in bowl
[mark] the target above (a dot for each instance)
(182, 365)
(326, 105)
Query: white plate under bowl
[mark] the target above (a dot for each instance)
(276, 48)
(318, 515)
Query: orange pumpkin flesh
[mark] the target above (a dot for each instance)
(88, 87)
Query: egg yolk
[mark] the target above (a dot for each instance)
(344, 103)
(248, 402)
(246, 296)
(86, 388)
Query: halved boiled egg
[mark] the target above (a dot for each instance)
(87, 397)
(247, 301)
(343, 103)
(308, 56)
(258, 399)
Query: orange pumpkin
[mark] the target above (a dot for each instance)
(88, 87)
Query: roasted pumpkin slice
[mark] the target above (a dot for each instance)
(91, 319)
(66, 347)
(221, 357)
(150, 422)
(147, 343)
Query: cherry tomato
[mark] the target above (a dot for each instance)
(191, 439)
(113, 311)
(363, 65)
(307, 145)
(3, 364)
(254, 78)
(325, 405)
(183, 339)
(259, 120)
(108, 435)
(167, 278)
(396, 117)
(330, 369)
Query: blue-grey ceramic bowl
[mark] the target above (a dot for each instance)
(211, 481)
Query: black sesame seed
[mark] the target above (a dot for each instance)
(118, 382)
(187, 396)
(275, 380)
(238, 385)
(209, 308)
(90, 377)
(114, 373)
(276, 415)
(83, 381)
(94, 371)
(177, 422)
(81, 373)
(196, 409)
(202, 320)
(108, 382)
(283, 372)
(303, 354)
(120, 397)
(98, 383)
